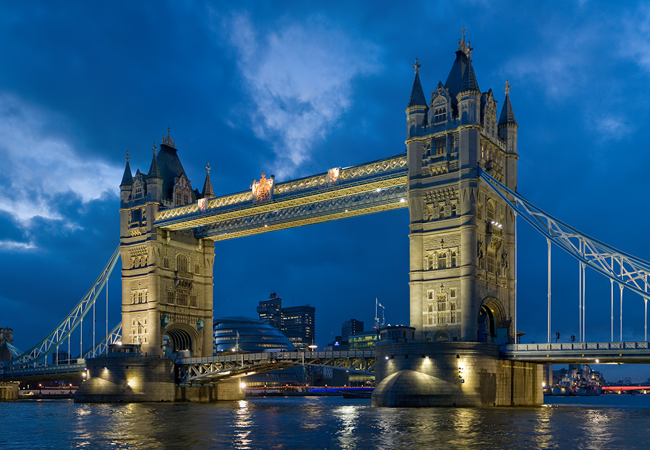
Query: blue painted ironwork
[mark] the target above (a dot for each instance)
(113, 337)
(38, 354)
(620, 267)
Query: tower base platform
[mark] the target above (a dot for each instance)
(9, 390)
(425, 374)
(140, 379)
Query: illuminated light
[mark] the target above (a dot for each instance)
(250, 373)
(105, 368)
(128, 383)
(346, 210)
(225, 373)
(387, 358)
(242, 385)
(462, 381)
(402, 200)
(119, 342)
(84, 374)
(265, 226)
(378, 189)
(543, 384)
(597, 361)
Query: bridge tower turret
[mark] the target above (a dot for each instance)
(166, 275)
(508, 132)
(461, 235)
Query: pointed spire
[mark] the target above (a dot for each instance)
(154, 169)
(417, 94)
(167, 140)
(127, 178)
(207, 186)
(469, 82)
(507, 114)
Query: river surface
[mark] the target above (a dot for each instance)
(604, 422)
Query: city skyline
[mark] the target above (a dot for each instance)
(292, 92)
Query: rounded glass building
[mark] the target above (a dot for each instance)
(254, 336)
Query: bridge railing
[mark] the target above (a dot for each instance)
(228, 357)
(576, 346)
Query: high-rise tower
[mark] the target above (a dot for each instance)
(461, 234)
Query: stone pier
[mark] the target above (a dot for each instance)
(128, 379)
(9, 390)
(453, 374)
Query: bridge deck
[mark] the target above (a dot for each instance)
(579, 353)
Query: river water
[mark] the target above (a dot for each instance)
(604, 422)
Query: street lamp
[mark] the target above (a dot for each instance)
(312, 347)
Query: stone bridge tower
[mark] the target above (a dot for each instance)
(461, 233)
(166, 275)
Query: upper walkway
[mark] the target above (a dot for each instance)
(336, 194)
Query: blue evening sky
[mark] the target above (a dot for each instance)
(292, 89)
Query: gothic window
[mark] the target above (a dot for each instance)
(197, 269)
(181, 298)
(185, 199)
(430, 295)
(440, 147)
(170, 297)
(133, 322)
(139, 296)
(490, 261)
(442, 260)
(453, 259)
(453, 209)
(442, 302)
(440, 114)
(193, 302)
(441, 211)
(479, 211)
(138, 191)
(182, 263)
(429, 307)
(178, 198)
(166, 262)
(452, 317)
(136, 215)
(442, 318)
(146, 294)
(431, 319)
(452, 293)
(490, 211)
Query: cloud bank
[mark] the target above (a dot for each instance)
(300, 80)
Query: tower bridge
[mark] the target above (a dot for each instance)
(458, 180)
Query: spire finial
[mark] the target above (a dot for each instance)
(417, 66)
(465, 47)
(208, 168)
(167, 140)
(154, 148)
(507, 88)
(128, 157)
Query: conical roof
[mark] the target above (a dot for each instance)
(417, 95)
(154, 169)
(507, 114)
(455, 77)
(207, 186)
(127, 178)
(469, 82)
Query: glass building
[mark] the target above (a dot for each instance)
(251, 335)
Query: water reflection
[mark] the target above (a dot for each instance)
(316, 422)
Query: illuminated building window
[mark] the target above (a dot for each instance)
(440, 115)
(442, 302)
(490, 261)
(442, 260)
(182, 263)
(442, 318)
(490, 211)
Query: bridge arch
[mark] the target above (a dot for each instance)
(491, 316)
(179, 337)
